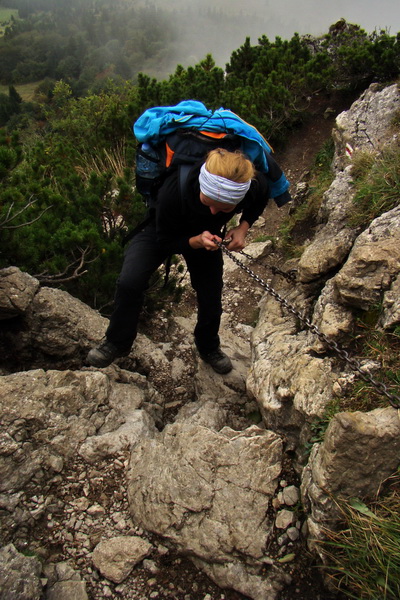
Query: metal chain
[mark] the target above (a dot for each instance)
(393, 399)
(288, 275)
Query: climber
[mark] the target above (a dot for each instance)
(188, 222)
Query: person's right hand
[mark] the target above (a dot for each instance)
(205, 240)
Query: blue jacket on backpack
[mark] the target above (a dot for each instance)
(157, 122)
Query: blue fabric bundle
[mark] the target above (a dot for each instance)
(157, 122)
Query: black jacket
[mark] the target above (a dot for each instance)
(182, 216)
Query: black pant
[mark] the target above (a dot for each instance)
(142, 258)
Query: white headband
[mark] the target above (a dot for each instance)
(221, 189)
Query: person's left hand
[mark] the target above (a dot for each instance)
(237, 237)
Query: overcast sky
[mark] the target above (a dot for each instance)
(315, 16)
(284, 18)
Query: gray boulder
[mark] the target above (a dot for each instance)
(17, 290)
(367, 126)
(46, 417)
(391, 306)
(64, 583)
(291, 384)
(19, 575)
(373, 263)
(53, 327)
(208, 492)
(116, 557)
(359, 452)
(333, 239)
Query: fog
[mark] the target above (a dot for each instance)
(273, 18)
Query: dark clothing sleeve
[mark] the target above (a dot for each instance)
(256, 199)
(278, 181)
(180, 216)
(283, 199)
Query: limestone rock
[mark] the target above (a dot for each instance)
(291, 385)
(210, 386)
(290, 495)
(334, 240)
(367, 126)
(63, 583)
(116, 557)
(284, 518)
(193, 486)
(46, 416)
(352, 435)
(208, 414)
(391, 306)
(150, 356)
(17, 290)
(241, 578)
(19, 575)
(53, 326)
(330, 316)
(60, 323)
(373, 262)
(359, 452)
(293, 533)
(68, 590)
(136, 427)
(299, 196)
(255, 251)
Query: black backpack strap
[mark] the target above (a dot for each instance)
(131, 234)
(183, 175)
(183, 172)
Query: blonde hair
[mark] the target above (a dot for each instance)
(231, 165)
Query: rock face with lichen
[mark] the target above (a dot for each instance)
(192, 485)
(159, 445)
(294, 376)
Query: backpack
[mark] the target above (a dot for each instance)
(180, 135)
(180, 149)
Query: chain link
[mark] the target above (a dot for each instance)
(393, 399)
(288, 275)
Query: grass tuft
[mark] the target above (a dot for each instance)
(383, 347)
(377, 183)
(299, 225)
(363, 557)
(108, 161)
(320, 424)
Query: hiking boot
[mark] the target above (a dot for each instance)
(105, 354)
(218, 360)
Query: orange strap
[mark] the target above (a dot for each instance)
(169, 156)
(213, 134)
(170, 152)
